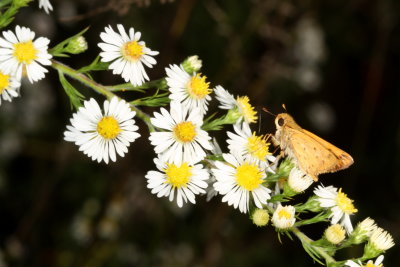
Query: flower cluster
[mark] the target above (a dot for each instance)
(189, 160)
(185, 150)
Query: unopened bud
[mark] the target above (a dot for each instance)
(379, 242)
(335, 234)
(77, 45)
(192, 64)
(260, 217)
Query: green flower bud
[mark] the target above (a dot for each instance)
(76, 45)
(285, 167)
(362, 231)
(192, 64)
(312, 204)
(232, 116)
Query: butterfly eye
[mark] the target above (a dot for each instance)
(281, 122)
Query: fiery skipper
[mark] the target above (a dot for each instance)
(312, 154)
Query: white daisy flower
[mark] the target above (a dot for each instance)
(100, 134)
(191, 90)
(127, 54)
(46, 5)
(237, 178)
(370, 263)
(249, 145)
(9, 87)
(182, 139)
(283, 217)
(19, 54)
(184, 179)
(340, 205)
(228, 101)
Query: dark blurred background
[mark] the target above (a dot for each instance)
(333, 63)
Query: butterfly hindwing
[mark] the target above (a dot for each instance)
(315, 155)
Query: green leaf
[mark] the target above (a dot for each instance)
(75, 97)
(4, 3)
(96, 65)
(214, 125)
(159, 84)
(313, 252)
(8, 16)
(153, 101)
(320, 217)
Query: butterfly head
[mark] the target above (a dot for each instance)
(284, 119)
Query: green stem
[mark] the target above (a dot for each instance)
(101, 89)
(82, 78)
(306, 240)
(160, 84)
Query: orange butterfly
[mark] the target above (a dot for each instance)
(310, 153)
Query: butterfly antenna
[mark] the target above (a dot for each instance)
(269, 112)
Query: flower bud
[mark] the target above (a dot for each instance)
(363, 231)
(285, 167)
(379, 242)
(298, 181)
(76, 45)
(312, 204)
(192, 64)
(335, 234)
(232, 116)
(260, 217)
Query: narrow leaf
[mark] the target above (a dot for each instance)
(75, 97)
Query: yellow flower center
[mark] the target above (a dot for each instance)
(25, 52)
(248, 112)
(371, 264)
(185, 131)
(248, 176)
(258, 146)
(198, 87)
(132, 51)
(283, 213)
(178, 176)
(4, 82)
(345, 203)
(108, 127)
